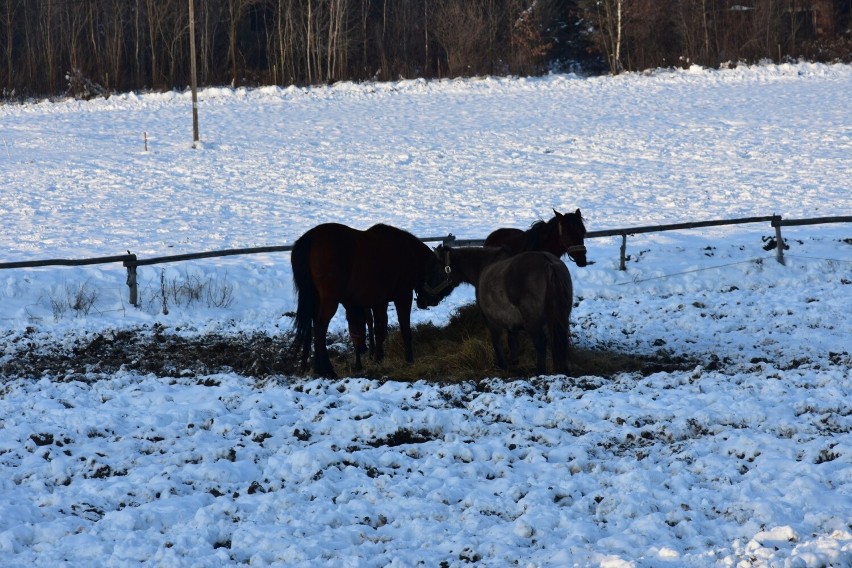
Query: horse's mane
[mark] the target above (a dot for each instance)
(533, 235)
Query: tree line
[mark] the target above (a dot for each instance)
(642, 34)
(87, 48)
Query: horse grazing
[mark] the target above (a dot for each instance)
(563, 233)
(531, 290)
(363, 270)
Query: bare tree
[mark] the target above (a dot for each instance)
(114, 28)
(10, 14)
(210, 27)
(236, 10)
(529, 43)
(337, 46)
(607, 17)
(153, 21)
(461, 31)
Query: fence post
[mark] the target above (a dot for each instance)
(622, 265)
(779, 240)
(131, 280)
(779, 255)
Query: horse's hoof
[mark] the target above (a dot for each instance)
(326, 373)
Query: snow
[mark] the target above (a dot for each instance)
(744, 460)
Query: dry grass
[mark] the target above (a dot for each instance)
(462, 351)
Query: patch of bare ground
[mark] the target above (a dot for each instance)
(459, 351)
(145, 350)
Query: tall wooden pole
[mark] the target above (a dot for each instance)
(192, 72)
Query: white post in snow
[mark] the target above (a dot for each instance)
(193, 81)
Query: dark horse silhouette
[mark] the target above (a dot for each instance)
(563, 233)
(363, 270)
(531, 290)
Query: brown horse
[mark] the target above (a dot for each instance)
(563, 233)
(363, 270)
(531, 290)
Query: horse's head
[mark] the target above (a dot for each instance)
(439, 280)
(572, 231)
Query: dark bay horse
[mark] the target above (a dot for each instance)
(364, 271)
(563, 233)
(531, 290)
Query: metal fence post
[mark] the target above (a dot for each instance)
(622, 265)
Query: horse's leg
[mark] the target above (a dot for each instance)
(513, 347)
(380, 326)
(356, 318)
(497, 342)
(306, 354)
(560, 362)
(403, 316)
(560, 349)
(322, 364)
(371, 332)
(540, 342)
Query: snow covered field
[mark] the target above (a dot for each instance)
(745, 460)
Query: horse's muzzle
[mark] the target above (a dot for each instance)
(432, 296)
(426, 300)
(577, 253)
(436, 291)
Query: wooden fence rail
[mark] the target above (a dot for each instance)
(69, 262)
(624, 233)
(131, 262)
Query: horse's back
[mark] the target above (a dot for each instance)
(362, 250)
(529, 274)
(386, 240)
(506, 237)
(330, 238)
(366, 268)
(524, 282)
(536, 238)
(395, 253)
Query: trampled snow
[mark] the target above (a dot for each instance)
(744, 460)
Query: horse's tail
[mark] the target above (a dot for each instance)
(306, 296)
(559, 300)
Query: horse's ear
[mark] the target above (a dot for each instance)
(557, 213)
(578, 214)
